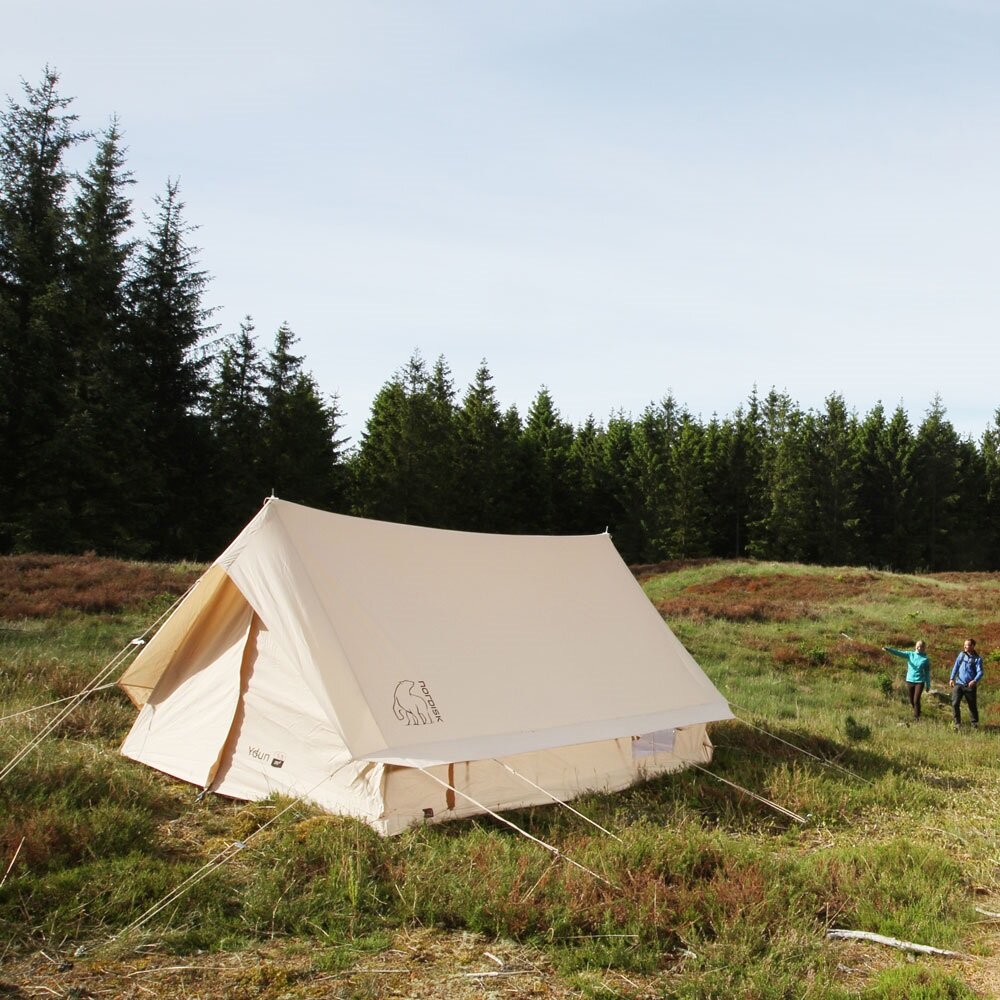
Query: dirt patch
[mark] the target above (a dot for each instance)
(418, 964)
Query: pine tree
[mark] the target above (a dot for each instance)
(485, 460)
(397, 470)
(545, 445)
(733, 450)
(989, 450)
(885, 485)
(647, 473)
(589, 484)
(936, 466)
(299, 431)
(784, 529)
(35, 351)
(833, 470)
(434, 415)
(170, 327)
(236, 410)
(688, 502)
(970, 541)
(102, 430)
(625, 505)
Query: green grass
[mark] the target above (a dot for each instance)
(708, 893)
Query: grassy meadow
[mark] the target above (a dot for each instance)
(709, 892)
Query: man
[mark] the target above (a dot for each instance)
(965, 678)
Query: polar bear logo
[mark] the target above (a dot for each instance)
(410, 707)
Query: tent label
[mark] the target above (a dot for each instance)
(413, 704)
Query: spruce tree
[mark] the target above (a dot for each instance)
(398, 471)
(589, 485)
(545, 445)
(36, 386)
(688, 501)
(647, 474)
(485, 460)
(882, 490)
(300, 431)
(733, 450)
(989, 450)
(102, 429)
(625, 504)
(236, 409)
(170, 327)
(938, 493)
(380, 471)
(784, 530)
(833, 470)
(434, 412)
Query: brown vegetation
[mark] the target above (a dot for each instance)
(37, 586)
(782, 597)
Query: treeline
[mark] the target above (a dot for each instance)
(124, 417)
(771, 481)
(130, 425)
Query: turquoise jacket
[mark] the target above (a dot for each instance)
(919, 670)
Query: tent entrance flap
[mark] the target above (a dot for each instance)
(185, 722)
(282, 742)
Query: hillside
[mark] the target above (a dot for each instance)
(712, 892)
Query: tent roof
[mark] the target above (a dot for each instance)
(428, 646)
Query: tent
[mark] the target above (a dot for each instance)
(403, 674)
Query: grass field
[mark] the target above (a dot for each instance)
(710, 892)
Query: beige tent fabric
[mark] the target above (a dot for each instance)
(565, 773)
(443, 645)
(186, 717)
(282, 742)
(185, 634)
(327, 657)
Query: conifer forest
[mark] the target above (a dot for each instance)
(132, 424)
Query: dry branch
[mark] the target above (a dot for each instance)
(922, 949)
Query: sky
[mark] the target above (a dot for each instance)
(614, 199)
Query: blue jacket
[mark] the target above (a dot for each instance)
(968, 669)
(919, 670)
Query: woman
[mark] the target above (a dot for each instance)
(918, 673)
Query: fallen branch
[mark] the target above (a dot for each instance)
(492, 975)
(181, 968)
(922, 949)
(979, 909)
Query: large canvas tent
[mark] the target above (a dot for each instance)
(402, 674)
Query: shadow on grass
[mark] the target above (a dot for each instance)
(777, 744)
(764, 763)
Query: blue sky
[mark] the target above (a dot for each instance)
(614, 199)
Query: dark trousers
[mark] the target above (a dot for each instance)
(915, 691)
(958, 692)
